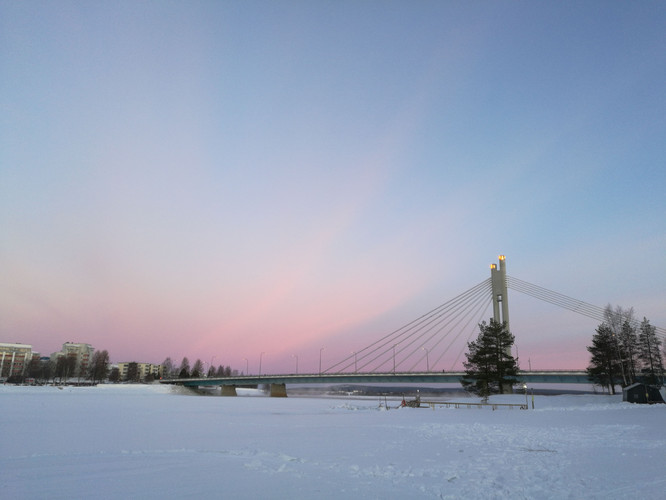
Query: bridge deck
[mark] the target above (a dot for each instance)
(531, 377)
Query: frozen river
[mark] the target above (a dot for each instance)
(138, 441)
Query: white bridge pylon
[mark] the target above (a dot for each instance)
(499, 289)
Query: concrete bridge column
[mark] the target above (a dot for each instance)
(228, 390)
(278, 391)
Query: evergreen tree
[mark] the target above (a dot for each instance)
(490, 367)
(132, 372)
(604, 368)
(197, 369)
(220, 371)
(114, 375)
(211, 371)
(184, 371)
(652, 371)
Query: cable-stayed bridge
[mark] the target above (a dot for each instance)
(428, 339)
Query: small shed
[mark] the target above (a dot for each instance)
(642, 394)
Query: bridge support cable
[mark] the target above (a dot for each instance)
(433, 330)
(473, 317)
(472, 331)
(577, 306)
(386, 347)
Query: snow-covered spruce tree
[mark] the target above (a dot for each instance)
(652, 371)
(490, 368)
(605, 367)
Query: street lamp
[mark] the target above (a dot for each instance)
(260, 356)
(247, 367)
(393, 359)
(525, 389)
(296, 356)
(354, 353)
(320, 359)
(427, 360)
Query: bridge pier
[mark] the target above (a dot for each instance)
(228, 390)
(278, 390)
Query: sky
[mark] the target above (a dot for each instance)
(219, 180)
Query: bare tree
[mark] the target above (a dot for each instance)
(615, 319)
(99, 368)
(167, 368)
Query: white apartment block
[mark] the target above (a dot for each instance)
(82, 352)
(144, 369)
(14, 359)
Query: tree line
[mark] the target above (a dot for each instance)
(66, 368)
(622, 354)
(170, 370)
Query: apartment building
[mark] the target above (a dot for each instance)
(83, 354)
(14, 359)
(143, 370)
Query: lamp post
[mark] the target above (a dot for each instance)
(393, 359)
(260, 356)
(354, 353)
(427, 359)
(320, 359)
(525, 389)
(247, 367)
(296, 356)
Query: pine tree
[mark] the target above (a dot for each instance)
(197, 369)
(490, 367)
(132, 372)
(604, 368)
(652, 371)
(184, 371)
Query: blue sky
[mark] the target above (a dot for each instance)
(230, 178)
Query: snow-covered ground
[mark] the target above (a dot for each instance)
(137, 441)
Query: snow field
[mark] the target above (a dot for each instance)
(121, 441)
